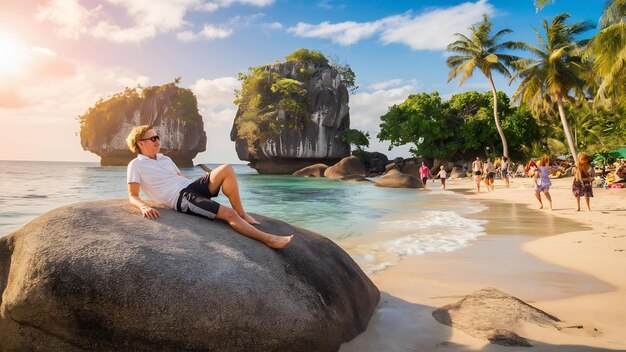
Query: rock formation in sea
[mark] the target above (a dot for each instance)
(96, 276)
(173, 111)
(292, 115)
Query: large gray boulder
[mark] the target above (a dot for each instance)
(346, 166)
(397, 179)
(316, 170)
(316, 139)
(96, 276)
(173, 111)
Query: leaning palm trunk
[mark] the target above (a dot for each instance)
(568, 134)
(505, 147)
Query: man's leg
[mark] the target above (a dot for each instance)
(224, 177)
(240, 225)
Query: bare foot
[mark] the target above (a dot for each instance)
(249, 219)
(541, 207)
(279, 242)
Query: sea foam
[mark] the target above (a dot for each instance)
(430, 231)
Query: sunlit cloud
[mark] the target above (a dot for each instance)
(209, 32)
(366, 108)
(215, 98)
(272, 26)
(46, 103)
(148, 18)
(429, 30)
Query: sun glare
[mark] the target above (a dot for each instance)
(12, 54)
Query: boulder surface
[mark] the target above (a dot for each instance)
(492, 314)
(396, 179)
(96, 276)
(347, 166)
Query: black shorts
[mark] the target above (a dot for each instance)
(195, 199)
(477, 173)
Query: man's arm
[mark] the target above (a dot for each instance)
(134, 199)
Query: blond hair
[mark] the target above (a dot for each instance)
(135, 136)
(545, 160)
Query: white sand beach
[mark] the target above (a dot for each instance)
(569, 264)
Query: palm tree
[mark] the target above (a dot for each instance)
(539, 4)
(556, 71)
(607, 50)
(483, 51)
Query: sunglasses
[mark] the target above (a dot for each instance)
(152, 139)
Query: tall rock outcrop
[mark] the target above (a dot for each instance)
(292, 115)
(173, 111)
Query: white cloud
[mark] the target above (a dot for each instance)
(52, 95)
(216, 94)
(386, 84)
(344, 33)
(430, 30)
(215, 101)
(366, 108)
(148, 18)
(272, 26)
(209, 32)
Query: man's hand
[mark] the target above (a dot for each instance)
(149, 212)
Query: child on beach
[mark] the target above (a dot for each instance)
(477, 170)
(490, 171)
(442, 175)
(504, 169)
(583, 176)
(542, 180)
(424, 173)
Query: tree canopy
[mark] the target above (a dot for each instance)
(461, 127)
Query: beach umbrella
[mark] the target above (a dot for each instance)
(599, 157)
(618, 153)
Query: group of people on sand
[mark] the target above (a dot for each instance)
(425, 175)
(487, 171)
(582, 185)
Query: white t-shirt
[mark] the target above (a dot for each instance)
(442, 174)
(158, 178)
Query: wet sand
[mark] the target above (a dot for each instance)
(555, 260)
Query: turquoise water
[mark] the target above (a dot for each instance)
(374, 222)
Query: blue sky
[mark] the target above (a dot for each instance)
(60, 57)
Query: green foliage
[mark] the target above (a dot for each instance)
(263, 94)
(486, 52)
(185, 105)
(104, 119)
(305, 55)
(461, 127)
(357, 138)
(419, 120)
(269, 103)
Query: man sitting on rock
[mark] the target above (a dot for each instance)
(162, 181)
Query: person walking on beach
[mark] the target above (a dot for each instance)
(504, 170)
(477, 170)
(490, 171)
(442, 174)
(542, 180)
(424, 173)
(583, 176)
(158, 176)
